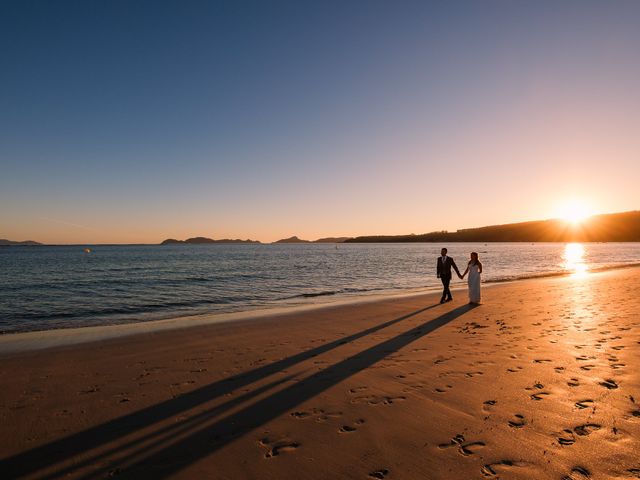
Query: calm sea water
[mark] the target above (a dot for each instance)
(55, 287)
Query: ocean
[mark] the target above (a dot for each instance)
(50, 287)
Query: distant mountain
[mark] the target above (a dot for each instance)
(203, 240)
(293, 239)
(613, 227)
(332, 240)
(7, 243)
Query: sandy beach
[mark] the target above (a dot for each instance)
(539, 382)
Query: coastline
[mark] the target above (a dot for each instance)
(61, 337)
(42, 339)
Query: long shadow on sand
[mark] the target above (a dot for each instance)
(159, 454)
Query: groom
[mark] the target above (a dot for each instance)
(444, 273)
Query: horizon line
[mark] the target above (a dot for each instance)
(248, 240)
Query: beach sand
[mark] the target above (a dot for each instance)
(539, 382)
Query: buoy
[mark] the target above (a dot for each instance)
(87, 250)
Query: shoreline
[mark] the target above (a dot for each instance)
(66, 336)
(60, 337)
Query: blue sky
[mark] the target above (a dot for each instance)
(137, 121)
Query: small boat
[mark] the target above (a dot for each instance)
(87, 250)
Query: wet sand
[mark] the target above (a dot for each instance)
(539, 382)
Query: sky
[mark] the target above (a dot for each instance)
(136, 121)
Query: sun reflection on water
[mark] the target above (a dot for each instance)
(574, 259)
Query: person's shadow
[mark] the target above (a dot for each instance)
(205, 433)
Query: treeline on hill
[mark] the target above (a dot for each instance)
(615, 227)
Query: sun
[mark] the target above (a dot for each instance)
(574, 212)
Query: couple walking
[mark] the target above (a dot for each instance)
(474, 269)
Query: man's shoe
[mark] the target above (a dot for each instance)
(442, 300)
(449, 299)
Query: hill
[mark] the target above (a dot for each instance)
(293, 239)
(613, 227)
(332, 240)
(9, 243)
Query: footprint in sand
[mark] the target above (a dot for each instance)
(443, 389)
(535, 386)
(539, 396)
(567, 438)
(357, 389)
(470, 448)
(487, 405)
(584, 358)
(383, 472)
(439, 360)
(519, 421)
(464, 448)
(584, 404)
(349, 428)
(587, 367)
(277, 447)
(494, 469)
(301, 415)
(610, 384)
(578, 473)
(573, 382)
(587, 429)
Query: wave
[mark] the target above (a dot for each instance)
(127, 310)
(347, 290)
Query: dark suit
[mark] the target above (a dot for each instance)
(444, 274)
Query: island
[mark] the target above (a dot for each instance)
(11, 243)
(295, 239)
(332, 240)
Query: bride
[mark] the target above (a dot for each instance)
(474, 268)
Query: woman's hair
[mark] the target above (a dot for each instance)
(477, 259)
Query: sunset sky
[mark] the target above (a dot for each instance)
(132, 122)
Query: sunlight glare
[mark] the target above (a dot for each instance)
(574, 212)
(574, 259)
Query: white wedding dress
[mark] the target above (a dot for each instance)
(474, 284)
